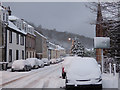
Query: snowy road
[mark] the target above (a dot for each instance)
(47, 77)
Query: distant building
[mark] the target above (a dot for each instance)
(55, 51)
(41, 45)
(52, 51)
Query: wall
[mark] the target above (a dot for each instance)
(14, 46)
(44, 48)
(38, 46)
(0, 40)
(30, 46)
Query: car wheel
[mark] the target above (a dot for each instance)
(12, 70)
(30, 68)
(25, 68)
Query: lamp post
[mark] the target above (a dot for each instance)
(70, 39)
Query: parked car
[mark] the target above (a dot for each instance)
(53, 61)
(82, 72)
(20, 65)
(34, 62)
(46, 61)
(41, 63)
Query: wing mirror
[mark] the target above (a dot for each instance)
(99, 65)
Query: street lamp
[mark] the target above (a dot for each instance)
(70, 39)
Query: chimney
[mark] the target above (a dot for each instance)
(9, 11)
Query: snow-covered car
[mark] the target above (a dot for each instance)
(41, 63)
(83, 72)
(46, 61)
(53, 61)
(59, 59)
(20, 65)
(34, 62)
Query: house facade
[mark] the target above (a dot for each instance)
(15, 40)
(30, 42)
(41, 46)
(55, 51)
(3, 25)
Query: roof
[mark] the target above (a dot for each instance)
(40, 34)
(59, 47)
(30, 26)
(1, 8)
(12, 26)
(52, 44)
(13, 18)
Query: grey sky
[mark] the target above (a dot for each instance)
(71, 17)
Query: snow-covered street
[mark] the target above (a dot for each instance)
(47, 77)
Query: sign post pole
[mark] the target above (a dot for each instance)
(102, 60)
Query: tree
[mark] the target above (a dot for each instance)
(77, 48)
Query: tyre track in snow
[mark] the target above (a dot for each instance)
(29, 75)
(41, 77)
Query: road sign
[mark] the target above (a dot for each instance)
(101, 42)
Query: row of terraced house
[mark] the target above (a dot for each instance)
(19, 40)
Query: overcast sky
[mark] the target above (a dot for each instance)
(70, 17)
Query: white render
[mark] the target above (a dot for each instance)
(14, 46)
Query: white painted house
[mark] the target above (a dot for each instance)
(15, 40)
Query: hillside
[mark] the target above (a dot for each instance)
(61, 38)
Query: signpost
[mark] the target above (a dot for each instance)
(101, 43)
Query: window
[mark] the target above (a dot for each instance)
(17, 54)
(27, 54)
(17, 38)
(22, 54)
(23, 26)
(10, 36)
(10, 55)
(33, 54)
(3, 16)
(6, 17)
(22, 40)
(30, 55)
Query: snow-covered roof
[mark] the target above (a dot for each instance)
(40, 34)
(1, 8)
(51, 48)
(30, 26)
(59, 47)
(52, 43)
(13, 18)
(11, 25)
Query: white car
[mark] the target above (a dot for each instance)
(53, 61)
(83, 72)
(41, 63)
(46, 61)
(34, 62)
(20, 65)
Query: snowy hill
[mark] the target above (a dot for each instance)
(61, 38)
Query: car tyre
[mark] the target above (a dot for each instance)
(25, 68)
(12, 70)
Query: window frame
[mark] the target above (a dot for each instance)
(10, 36)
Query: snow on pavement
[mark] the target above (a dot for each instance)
(110, 81)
